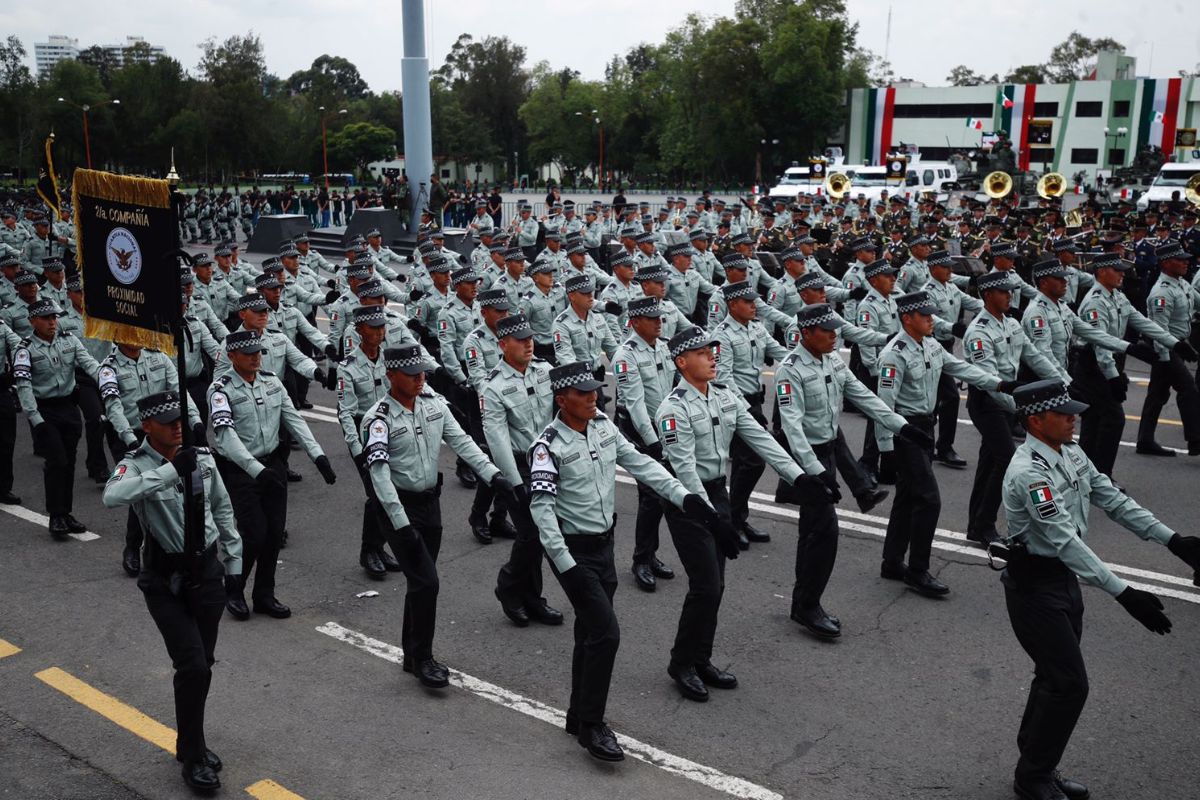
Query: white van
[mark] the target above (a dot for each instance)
(1168, 184)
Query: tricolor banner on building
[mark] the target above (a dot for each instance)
(125, 229)
(880, 107)
(1159, 112)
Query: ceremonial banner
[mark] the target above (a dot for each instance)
(47, 183)
(124, 229)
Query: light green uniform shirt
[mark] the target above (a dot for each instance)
(247, 416)
(361, 382)
(46, 370)
(999, 346)
(124, 380)
(1051, 324)
(645, 376)
(516, 408)
(578, 339)
(1170, 305)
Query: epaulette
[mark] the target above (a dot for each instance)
(600, 415)
(981, 320)
(427, 395)
(268, 373)
(678, 393)
(724, 326)
(899, 344)
(1039, 460)
(348, 360)
(493, 373)
(549, 434)
(190, 318)
(203, 451)
(152, 350)
(717, 385)
(222, 381)
(562, 315)
(109, 359)
(381, 408)
(790, 359)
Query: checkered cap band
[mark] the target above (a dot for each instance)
(76, 285)
(407, 356)
(790, 254)
(480, 204)
(809, 280)
(156, 404)
(1004, 250)
(629, 232)
(53, 264)
(741, 238)
(463, 275)
(553, 236)
(816, 314)
(681, 249)
(651, 273)
(44, 308)
(1107, 260)
(1169, 250)
(371, 288)
(10, 260)
(914, 301)
(735, 261)
(1037, 406)
(645, 307)
(492, 298)
(697, 234)
(918, 240)
(359, 269)
(273, 265)
(692, 338)
(621, 259)
(569, 375)
(24, 277)
(1049, 269)
(203, 260)
(939, 258)
(374, 232)
(301, 239)
(644, 236)
(879, 267)
(439, 264)
(267, 281)
(1065, 245)
(289, 250)
(576, 248)
(252, 302)
(222, 250)
(994, 280)
(580, 283)
(242, 340)
(739, 290)
(501, 247)
(517, 324)
(371, 315)
(424, 248)
(542, 266)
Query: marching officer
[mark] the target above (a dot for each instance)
(183, 592)
(542, 304)
(43, 369)
(401, 435)
(572, 482)
(579, 334)
(517, 404)
(950, 301)
(1171, 305)
(645, 375)
(876, 312)
(455, 320)
(1048, 488)
(910, 369)
(16, 314)
(248, 408)
(653, 280)
(9, 342)
(697, 423)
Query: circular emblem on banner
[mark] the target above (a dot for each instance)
(897, 166)
(124, 256)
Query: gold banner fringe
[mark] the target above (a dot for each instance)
(122, 189)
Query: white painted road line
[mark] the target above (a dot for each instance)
(707, 776)
(26, 514)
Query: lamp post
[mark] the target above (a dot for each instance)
(85, 108)
(600, 164)
(324, 150)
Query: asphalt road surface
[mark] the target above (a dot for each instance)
(919, 699)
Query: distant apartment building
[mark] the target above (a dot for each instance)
(134, 49)
(47, 54)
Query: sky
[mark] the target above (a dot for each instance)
(928, 37)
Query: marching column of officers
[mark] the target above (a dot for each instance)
(509, 371)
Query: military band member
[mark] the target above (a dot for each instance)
(572, 471)
(527, 229)
(183, 592)
(1048, 488)
(1171, 304)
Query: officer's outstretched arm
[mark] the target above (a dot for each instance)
(649, 472)
(543, 503)
(872, 405)
(464, 446)
(221, 508)
(300, 431)
(1123, 509)
(765, 445)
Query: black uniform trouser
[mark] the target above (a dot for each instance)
(746, 467)
(996, 449)
(521, 577)
(816, 546)
(8, 437)
(918, 502)
(87, 394)
(418, 562)
(870, 451)
(188, 622)
(1165, 376)
(62, 445)
(467, 403)
(1045, 609)
(650, 505)
(261, 517)
(853, 473)
(133, 528)
(947, 407)
(597, 634)
(1104, 421)
(705, 566)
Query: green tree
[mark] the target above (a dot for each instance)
(152, 93)
(1075, 58)
(1027, 73)
(330, 80)
(102, 61)
(359, 143)
(78, 84)
(233, 97)
(560, 116)
(16, 105)
(963, 75)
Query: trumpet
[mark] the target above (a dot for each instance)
(1192, 190)
(997, 184)
(1052, 184)
(837, 185)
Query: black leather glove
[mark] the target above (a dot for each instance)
(233, 585)
(1185, 351)
(269, 480)
(695, 506)
(725, 536)
(331, 295)
(199, 435)
(331, 380)
(1186, 548)
(415, 295)
(1146, 609)
(1142, 352)
(655, 451)
(1118, 387)
(812, 490)
(958, 329)
(613, 308)
(41, 432)
(331, 352)
(917, 436)
(504, 486)
(320, 376)
(859, 293)
(331, 284)
(1008, 387)
(184, 461)
(414, 325)
(326, 469)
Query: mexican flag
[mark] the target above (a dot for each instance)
(975, 123)
(976, 345)
(1004, 100)
(887, 372)
(1043, 495)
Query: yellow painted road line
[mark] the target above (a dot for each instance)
(109, 707)
(270, 790)
(8, 649)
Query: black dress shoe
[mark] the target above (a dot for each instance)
(925, 584)
(370, 561)
(293, 476)
(817, 622)
(644, 575)
(431, 674)
(572, 724)
(1154, 449)
(74, 525)
(689, 683)
(1074, 790)
(201, 777)
(870, 498)
(950, 458)
(1040, 790)
(388, 560)
(480, 530)
(983, 538)
(210, 760)
(743, 542)
(893, 570)
(1194, 448)
(501, 528)
(466, 476)
(541, 611)
(306, 405)
(131, 561)
(9, 499)
(271, 607)
(235, 604)
(661, 570)
(754, 534)
(513, 610)
(716, 678)
(600, 743)
(58, 527)
(99, 478)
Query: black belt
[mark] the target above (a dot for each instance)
(914, 416)
(162, 563)
(588, 541)
(423, 496)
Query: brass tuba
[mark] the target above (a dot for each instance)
(1192, 190)
(997, 184)
(837, 184)
(1052, 184)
